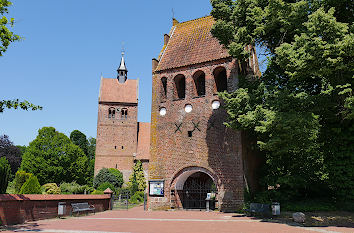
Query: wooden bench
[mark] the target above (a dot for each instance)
(258, 208)
(81, 207)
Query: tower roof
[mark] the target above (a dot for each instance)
(191, 42)
(111, 91)
(122, 65)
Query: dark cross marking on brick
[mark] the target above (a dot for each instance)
(178, 127)
(211, 124)
(196, 125)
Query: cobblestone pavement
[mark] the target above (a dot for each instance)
(139, 221)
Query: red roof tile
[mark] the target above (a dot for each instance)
(190, 43)
(143, 151)
(113, 91)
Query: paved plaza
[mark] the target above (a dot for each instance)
(140, 221)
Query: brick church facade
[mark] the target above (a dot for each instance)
(188, 151)
(192, 152)
(121, 139)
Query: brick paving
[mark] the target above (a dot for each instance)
(139, 221)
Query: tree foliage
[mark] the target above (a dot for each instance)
(5, 172)
(301, 109)
(6, 35)
(137, 180)
(79, 139)
(51, 188)
(31, 186)
(53, 158)
(91, 148)
(11, 152)
(20, 178)
(110, 176)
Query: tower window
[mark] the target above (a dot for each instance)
(199, 82)
(124, 113)
(220, 79)
(164, 88)
(180, 83)
(111, 113)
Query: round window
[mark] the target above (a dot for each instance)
(215, 104)
(163, 111)
(188, 108)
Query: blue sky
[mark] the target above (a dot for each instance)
(67, 45)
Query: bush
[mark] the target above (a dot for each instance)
(104, 175)
(118, 174)
(51, 188)
(31, 186)
(5, 172)
(74, 188)
(20, 178)
(97, 192)
(106, 185)
(138, 197)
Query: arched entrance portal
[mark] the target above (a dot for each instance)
(195, 190)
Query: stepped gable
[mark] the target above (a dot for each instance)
(191, 42)
(111, 91)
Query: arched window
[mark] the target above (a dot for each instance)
(199, 82)
(220, 79)
(124, 113)
(111, 113)
(164, 88)
(180, 83)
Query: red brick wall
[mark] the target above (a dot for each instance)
(16, 208)
(116, 139)
(213, 147)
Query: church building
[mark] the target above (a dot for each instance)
(194, 156)
(121, 139)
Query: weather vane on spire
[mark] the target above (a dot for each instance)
(173, 14)
(123, 50)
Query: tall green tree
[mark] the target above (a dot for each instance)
(53, 158)
(91, 148)
(79, 139)
(301, 109)
(5, 172)
(137, 180)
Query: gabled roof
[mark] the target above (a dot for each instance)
(112, 91)
(191, 42)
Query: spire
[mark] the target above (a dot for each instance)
(122, 70)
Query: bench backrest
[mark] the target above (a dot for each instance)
(83, 205)
(258, 207)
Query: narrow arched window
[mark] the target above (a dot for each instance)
(124, 113)
(164, 88)
(111, 113)
(220, 79)
(199, 82)
(180, 83)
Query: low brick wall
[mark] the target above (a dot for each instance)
(18, 208)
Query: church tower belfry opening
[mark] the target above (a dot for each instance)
(122, 70)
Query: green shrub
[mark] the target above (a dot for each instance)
(97, 192)
(137, 180)
(11, 187)
(20, 178)
(123, 191)
(74, 188)
(51, 188)
(31, 186)
(106, 185)
(118, 174)
(5, 172)
(105, 175)
(138, 197)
